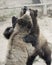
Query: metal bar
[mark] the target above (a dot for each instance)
(29, 5)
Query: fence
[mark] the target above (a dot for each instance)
(44, 8)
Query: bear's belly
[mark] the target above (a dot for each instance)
(19, 52)
(27, 47)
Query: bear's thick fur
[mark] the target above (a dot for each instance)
(21, 53)
(38, 41)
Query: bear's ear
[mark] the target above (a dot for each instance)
(35, 13)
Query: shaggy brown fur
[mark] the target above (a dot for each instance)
(21, 53)
(18, 49)
(42, 48)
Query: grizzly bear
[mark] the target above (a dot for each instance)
(23, 53)
(18, 49)
(36, 38)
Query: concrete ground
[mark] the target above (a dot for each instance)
(45, 24)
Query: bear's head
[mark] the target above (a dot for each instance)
(35, 28)
(33, 14)
(25, 22)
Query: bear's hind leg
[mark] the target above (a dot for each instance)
(31, 59)
(47, 54)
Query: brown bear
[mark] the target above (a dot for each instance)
(41, 44)
(21, 53)
(36, 38)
